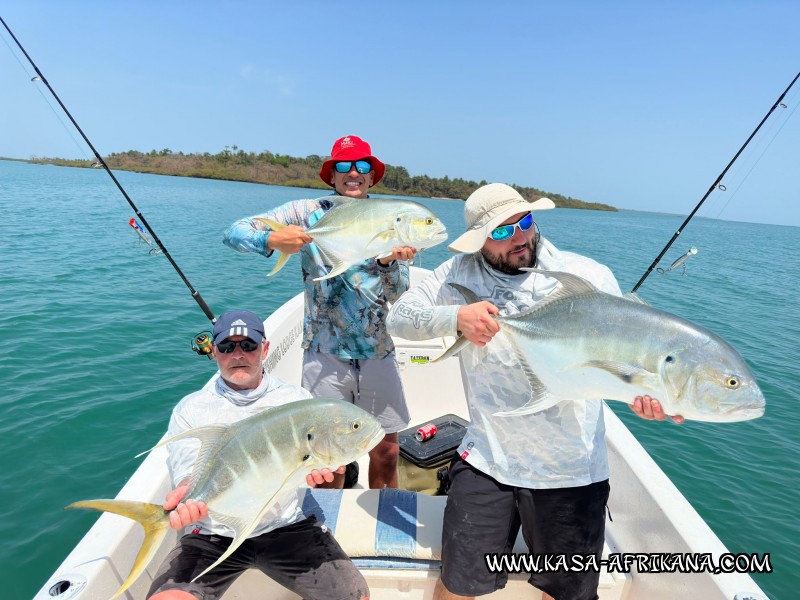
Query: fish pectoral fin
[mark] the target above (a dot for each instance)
(625, 371)
(152, 517)
(387, 235)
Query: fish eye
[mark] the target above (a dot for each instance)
(669, 359)
(306, 457)
(355, 425)
(732, 382)
(428, 221)
(310, 436)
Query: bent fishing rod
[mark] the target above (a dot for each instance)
(195, 294)
(713, 186)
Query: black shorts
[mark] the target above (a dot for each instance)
(303, 557)
(484, 516)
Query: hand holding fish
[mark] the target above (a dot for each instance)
(650, 409)
(399, 253)
(289, 239)
(476, 322)
(318, 477)
(183, 514)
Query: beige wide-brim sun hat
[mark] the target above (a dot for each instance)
(486, 208)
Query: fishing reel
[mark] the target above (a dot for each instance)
(201, 344)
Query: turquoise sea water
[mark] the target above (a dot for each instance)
(96, 335)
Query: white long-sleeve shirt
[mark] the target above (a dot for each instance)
(217, 403)
(563, 446)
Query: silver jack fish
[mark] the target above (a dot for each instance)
(355, 230)
(580, 343)
(243, 469)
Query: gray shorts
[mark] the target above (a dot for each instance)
(371, 384)
(303, 557)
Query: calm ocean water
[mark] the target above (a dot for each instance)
(96, 346)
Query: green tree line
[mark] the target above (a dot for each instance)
(234, 164)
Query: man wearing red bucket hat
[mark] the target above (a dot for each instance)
(347, 351)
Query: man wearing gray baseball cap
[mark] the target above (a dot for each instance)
(546, 472)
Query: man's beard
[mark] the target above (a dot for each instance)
(509, 266)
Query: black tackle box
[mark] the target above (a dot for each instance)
(422, 466)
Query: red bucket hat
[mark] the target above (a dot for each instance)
(351, 147)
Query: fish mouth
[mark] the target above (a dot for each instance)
(439, 235)
(376, 438)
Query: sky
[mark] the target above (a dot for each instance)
(640, 105)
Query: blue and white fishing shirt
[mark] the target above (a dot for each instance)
(344, 315)
(217, 403)
(563, 446)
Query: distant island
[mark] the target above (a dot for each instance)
(234, 164)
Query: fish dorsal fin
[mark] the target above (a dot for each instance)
(209, 437)
(635, 298)
(571, 285)
(338, 200)
(243, 528)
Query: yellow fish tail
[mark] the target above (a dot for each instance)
(152, 517)
(282, 258)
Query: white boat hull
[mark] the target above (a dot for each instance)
(649, 514)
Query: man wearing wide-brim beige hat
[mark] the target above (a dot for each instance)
(545, 472)
(486, 208)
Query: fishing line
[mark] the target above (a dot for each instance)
(712, 188)
(47, 101)
(761, 154)
(195, 294)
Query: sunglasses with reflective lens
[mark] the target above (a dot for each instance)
(504, 232)
(345, 166)
(228, 346)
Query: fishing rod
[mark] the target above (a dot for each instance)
(713, 187)
(195, 294)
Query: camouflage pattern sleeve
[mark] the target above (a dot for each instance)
(250, 235)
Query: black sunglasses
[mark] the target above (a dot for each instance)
(228, 346)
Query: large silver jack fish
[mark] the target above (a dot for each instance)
(243, 469)
(580, 343)
(355, 230)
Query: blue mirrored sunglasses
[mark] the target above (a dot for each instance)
(504, 232)
(228, 346)
(345, 166)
